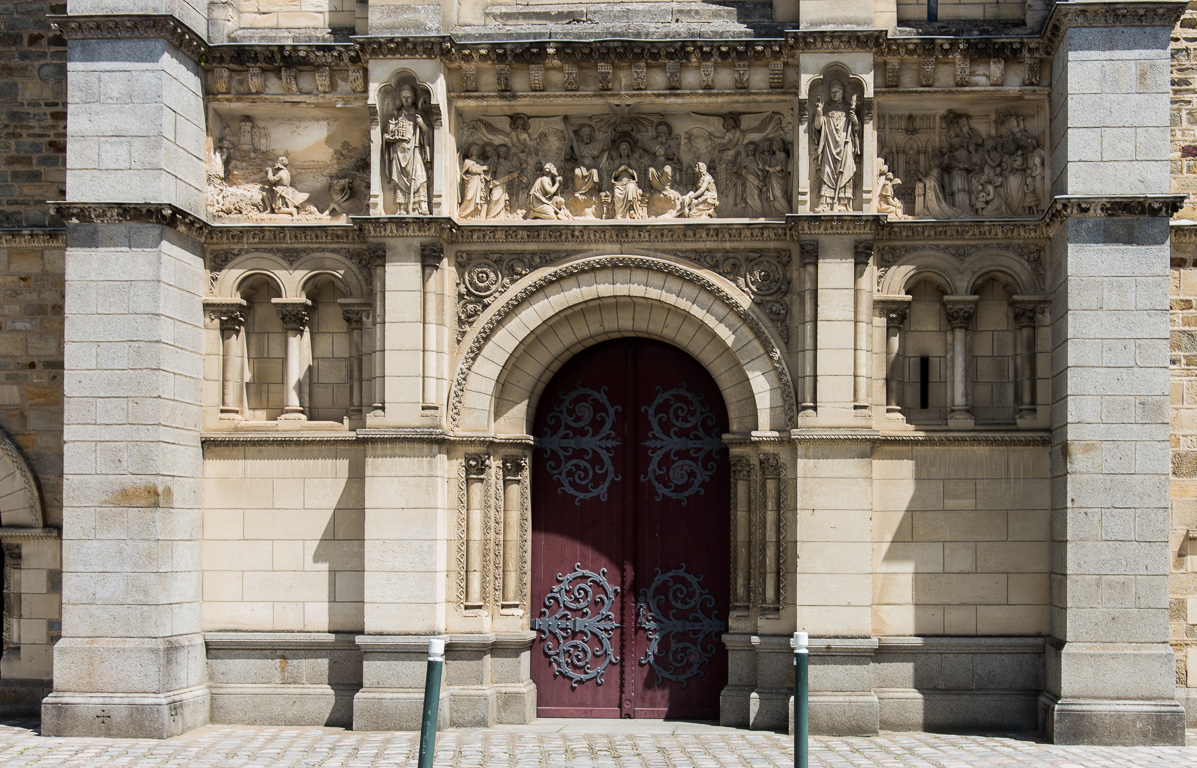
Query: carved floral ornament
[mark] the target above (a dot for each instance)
(762, 275)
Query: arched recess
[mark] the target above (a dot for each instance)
(20, 497)
(519, 343)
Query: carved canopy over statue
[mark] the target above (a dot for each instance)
(407, 117)
(625, 164)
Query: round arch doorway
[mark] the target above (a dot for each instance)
(630, 519)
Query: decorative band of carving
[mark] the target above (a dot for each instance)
(137, 26)
(1107, 207)
(165, 214)
(636, 262)
(1031, 439)
(33, 238)
(8, 533)
(1109, 14)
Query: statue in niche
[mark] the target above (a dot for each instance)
(702, 202)
(407, 152)
(626, 198)
(664, 202)
(836, 130)
(474, 177)
(992, 171)
(543, 200)
(887, 200)
(278, 196)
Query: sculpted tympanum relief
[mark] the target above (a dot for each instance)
(264, 168)
(987, 164)
(625, 164)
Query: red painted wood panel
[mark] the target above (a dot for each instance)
(630, 493)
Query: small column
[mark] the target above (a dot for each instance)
(1026, 310)
(894, 309)
(477, 466)
(741, 545)
(230, 313)
(959, 311)
(294, 314)
(431, 255)
(355, 314)
(770, 563)
(513, 512)
(809, 251)
(378, 356)
(863, 253)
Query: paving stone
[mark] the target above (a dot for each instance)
(567, 744)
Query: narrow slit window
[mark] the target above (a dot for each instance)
(924, 382)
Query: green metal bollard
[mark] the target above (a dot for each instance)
(801, 700)
(432, 701)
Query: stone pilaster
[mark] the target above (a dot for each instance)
(131, 660)
(1110, 671)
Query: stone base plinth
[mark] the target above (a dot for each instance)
(382, 709)
(125, 715)
(1112, 723)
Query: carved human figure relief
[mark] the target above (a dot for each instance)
(835, 130)
(278, 196)
(625, 164)
(887, 201)
(983, 165)
(543, 200)
(702, 202)
(407, 151)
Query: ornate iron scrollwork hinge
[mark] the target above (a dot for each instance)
(683, 444)
(578, 633)
(681, 635)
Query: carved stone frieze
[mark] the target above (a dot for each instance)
(166, 214)
(1034, 254)
(763, 276)
(627, 163)
(961, 164)
(362, 258)
(124, 27)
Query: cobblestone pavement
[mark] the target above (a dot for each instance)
(578, 744)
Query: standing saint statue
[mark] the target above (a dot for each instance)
(837, 133)
(406, 152)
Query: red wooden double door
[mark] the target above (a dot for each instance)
(630, 584)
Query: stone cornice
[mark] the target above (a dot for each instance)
(10, 532)
(1184, 232)
(1109, 207)
(1103, 13)
(165, 214)
(992, 230)
(33, 238)
(972, 437)
(1076, 13)
(160, 26)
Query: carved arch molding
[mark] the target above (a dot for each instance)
(505, 305)
(20, 498)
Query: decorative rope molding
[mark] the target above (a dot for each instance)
(214, 439)
(7, 533)
(33, 238)
(488, 328)
(972, 437)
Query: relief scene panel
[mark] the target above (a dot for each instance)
(980, 162)
(626, 163)
(273, 164)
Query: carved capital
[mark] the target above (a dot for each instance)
(431, 254)
(741, 467)
(476, 464)
(771, 465)
(355, 314)
(893, 309)
(513, 467)
(862, 251)
(959, 310)
(230, 313)
(808, 252)
(1026, 310)
(293, 312)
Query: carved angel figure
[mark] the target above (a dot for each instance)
(407, 150)
(721, 141)
(340, 190)
(836, 129)
(701, 203)
(887, 201)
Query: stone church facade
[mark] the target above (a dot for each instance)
(612, 343)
